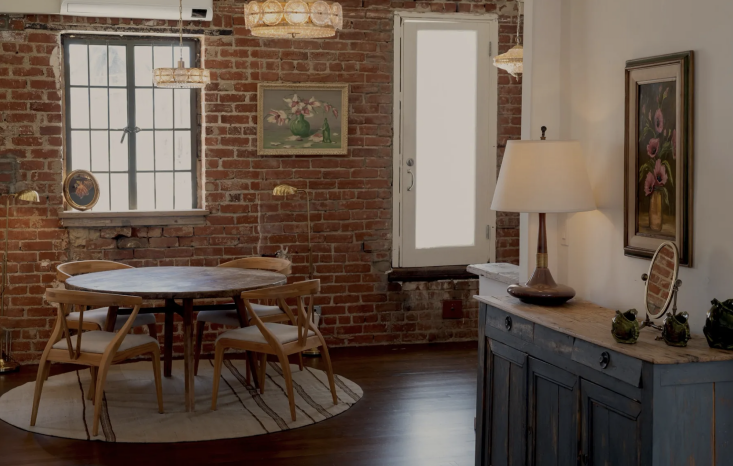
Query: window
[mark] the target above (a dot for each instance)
(445, 140)
(140, 142)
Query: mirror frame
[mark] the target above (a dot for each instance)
(674, 279)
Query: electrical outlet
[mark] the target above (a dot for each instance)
(453, 309)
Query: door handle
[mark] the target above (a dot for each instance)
(410, 163)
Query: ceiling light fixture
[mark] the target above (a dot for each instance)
(293, 19)
(181, 77)
(513, 60)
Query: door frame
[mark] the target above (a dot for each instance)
(397, 137)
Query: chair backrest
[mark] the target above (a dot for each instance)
(70, 269)
(272, 264)
(67, 298)
(297, 291)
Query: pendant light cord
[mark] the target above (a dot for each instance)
(180, 29)
(520, 4)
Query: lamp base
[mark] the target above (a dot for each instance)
(542, 290)
(7, 365)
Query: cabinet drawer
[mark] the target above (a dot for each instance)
(510, 324)
(609, 362)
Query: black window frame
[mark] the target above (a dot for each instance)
(130, 42)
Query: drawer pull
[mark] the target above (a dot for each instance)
(508, 323)
(604, 360)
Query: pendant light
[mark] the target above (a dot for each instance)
(293, 19)
(181, 77)
(513, 60)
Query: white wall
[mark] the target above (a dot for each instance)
(597, 38)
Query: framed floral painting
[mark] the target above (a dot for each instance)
(659, 155)
(302, 119)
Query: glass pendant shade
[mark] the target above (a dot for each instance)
(293, 18)
(512, 61)
(181, 77)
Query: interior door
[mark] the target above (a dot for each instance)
(448, 136)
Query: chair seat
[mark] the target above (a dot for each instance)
(97, 341)
(229, 317)
(283, 333)
(99, 316)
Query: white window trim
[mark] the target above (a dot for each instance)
(397, 144)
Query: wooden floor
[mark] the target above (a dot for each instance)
(417, 410)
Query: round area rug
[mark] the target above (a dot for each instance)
(130, 412)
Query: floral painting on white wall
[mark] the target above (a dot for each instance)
(659, 155)
(302, 119)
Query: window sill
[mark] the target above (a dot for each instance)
(135, 218)
(430, 274)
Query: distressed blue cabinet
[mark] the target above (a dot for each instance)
(555, 389)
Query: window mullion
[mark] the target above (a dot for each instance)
(131, 124)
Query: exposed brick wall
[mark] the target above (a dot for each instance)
(352, 211)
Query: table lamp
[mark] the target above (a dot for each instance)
(543, 177)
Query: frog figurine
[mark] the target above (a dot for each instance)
(625, 327)
(676, 329)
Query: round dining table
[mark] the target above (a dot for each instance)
(178, 283)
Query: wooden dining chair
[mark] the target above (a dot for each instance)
(96, 349)
(277, 339)
(229, 317)
(95, 319)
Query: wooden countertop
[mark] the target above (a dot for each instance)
(592, 323)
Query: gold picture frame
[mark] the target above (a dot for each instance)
(302, 119)
(659, 154)
(78, 186)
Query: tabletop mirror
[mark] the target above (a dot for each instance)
(661, 283)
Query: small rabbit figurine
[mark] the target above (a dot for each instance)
(625, 328)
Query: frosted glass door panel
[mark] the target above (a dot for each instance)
(445, 126)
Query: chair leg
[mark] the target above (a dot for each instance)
(263, 371)
(331, 383)
(285, 365)
(99, 394)
(153, 330)
(200, 327)
(218, 361)
(248, 369)
(40, 378)
(158, 383)
(93, 383)
(300, 361)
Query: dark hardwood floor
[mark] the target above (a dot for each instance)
(417, 410)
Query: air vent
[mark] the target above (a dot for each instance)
(199, 13)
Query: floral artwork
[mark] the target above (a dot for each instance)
(659, 146)
(302, 119)
(81, 190)
(657, 155)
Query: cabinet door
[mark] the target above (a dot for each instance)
(506, 433)
(610, 427)
(553, 415)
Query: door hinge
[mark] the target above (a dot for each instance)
(488, 231)
(491, 49)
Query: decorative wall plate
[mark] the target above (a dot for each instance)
(81, 190)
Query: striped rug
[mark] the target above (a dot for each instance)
(130, 414)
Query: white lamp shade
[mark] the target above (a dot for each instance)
(543, 176)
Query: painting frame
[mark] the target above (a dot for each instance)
(86, 177)
(642, 180)
(342, 109)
